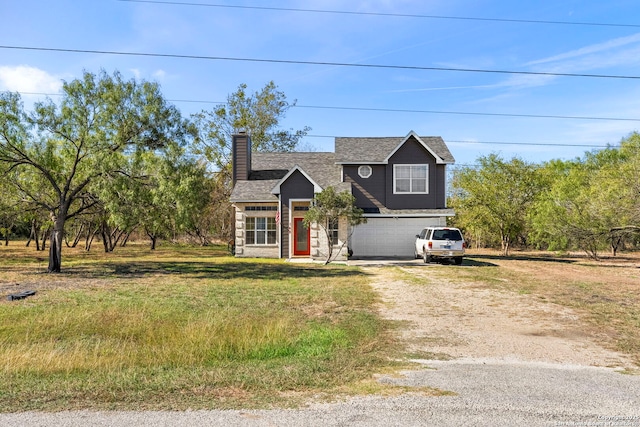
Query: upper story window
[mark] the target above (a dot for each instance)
(410, 179)
(365, 171)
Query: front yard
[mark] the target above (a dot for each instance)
(182, 328)
(193, 328)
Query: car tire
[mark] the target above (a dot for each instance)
(416, 255)
(426, 258)
(457, 260)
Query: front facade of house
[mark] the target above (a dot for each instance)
(398, 182)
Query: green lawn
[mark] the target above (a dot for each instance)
(182, 327)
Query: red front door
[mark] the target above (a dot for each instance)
(301, 238)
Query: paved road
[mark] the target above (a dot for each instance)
(488, 393)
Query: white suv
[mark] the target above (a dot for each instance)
(440, 242)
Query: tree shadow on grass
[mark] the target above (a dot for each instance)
(474, 262)
(218, 270)
(525, 257)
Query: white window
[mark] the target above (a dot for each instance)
(334, 226)
(365, 171)
(261, 231)
(411, 179)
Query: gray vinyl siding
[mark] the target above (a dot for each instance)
(295, 187)
(377, 190)
(369, 192)
(413, 153)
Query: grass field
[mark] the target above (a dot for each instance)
(605, 293)
(182, 327)
(193, 328)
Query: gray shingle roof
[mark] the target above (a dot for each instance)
(267, 169)
(254, 191)
(377, 149)
(321, 167)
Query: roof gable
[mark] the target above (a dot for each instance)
(316, 187)
(377, 150)
(411, 134)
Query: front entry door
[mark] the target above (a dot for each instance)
(301, 238)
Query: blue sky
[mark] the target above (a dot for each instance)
(124, 26)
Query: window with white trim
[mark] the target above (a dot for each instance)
(334, 226)
(365, 171)
(411, 179)
(261, 231)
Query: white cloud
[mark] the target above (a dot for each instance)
(608, 49)
(159, 74)
(24, 78)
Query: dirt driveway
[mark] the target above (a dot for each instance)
(445, 320)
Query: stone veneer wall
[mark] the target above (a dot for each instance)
(252, 251)
(319, 248)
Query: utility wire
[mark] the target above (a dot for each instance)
(541, 144)
(396, 110)
(397, 15)
(470, 113)
(335, 64)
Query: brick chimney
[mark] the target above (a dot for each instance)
(241, 156)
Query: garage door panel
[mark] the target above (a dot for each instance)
(388, 236)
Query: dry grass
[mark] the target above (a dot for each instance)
(181, 328)
(606, 293)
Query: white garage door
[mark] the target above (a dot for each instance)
(388, 236)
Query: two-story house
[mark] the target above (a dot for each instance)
(399, 182)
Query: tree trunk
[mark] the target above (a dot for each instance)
(55, 249)
(91, 234)
(57, 236)
(34, 235)
(126, 238)
(45, 235)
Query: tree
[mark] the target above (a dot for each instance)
(259, 115)
(99, 122)
(590, 203)
(328, 209)
(11, 211)
(563, 216)
(495, 197)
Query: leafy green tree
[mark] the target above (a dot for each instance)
(11, 207)
(328, 210)
(99, 122)
(563, 218)
(194, 189)
(627, 189)
(590, 203)
(260, 115)
(494, 198)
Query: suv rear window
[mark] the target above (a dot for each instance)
(446, 235)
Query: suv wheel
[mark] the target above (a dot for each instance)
(457, 260)
(426, 257)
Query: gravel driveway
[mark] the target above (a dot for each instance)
(508, 360)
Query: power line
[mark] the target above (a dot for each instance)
(470, 113)
(398, 110)
(396, 15)
(541, 144)
(323, 63)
